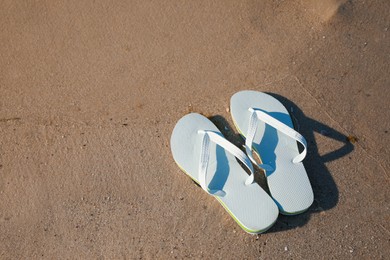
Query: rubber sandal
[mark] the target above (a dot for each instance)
(201, 151)
(268, 129)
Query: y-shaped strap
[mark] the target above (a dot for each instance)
(205, 156)
(257, 115)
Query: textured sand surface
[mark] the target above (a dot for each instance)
(91, 90)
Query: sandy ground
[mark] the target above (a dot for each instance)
(91, 90)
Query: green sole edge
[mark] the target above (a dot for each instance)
(253, 232)
(258, 154)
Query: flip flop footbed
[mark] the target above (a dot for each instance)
(249, 205)
(288, 182)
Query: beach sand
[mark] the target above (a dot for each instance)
(90, 92)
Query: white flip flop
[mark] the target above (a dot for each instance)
(201, 151)
(268, 129)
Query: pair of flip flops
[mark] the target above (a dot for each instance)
(202, 152)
